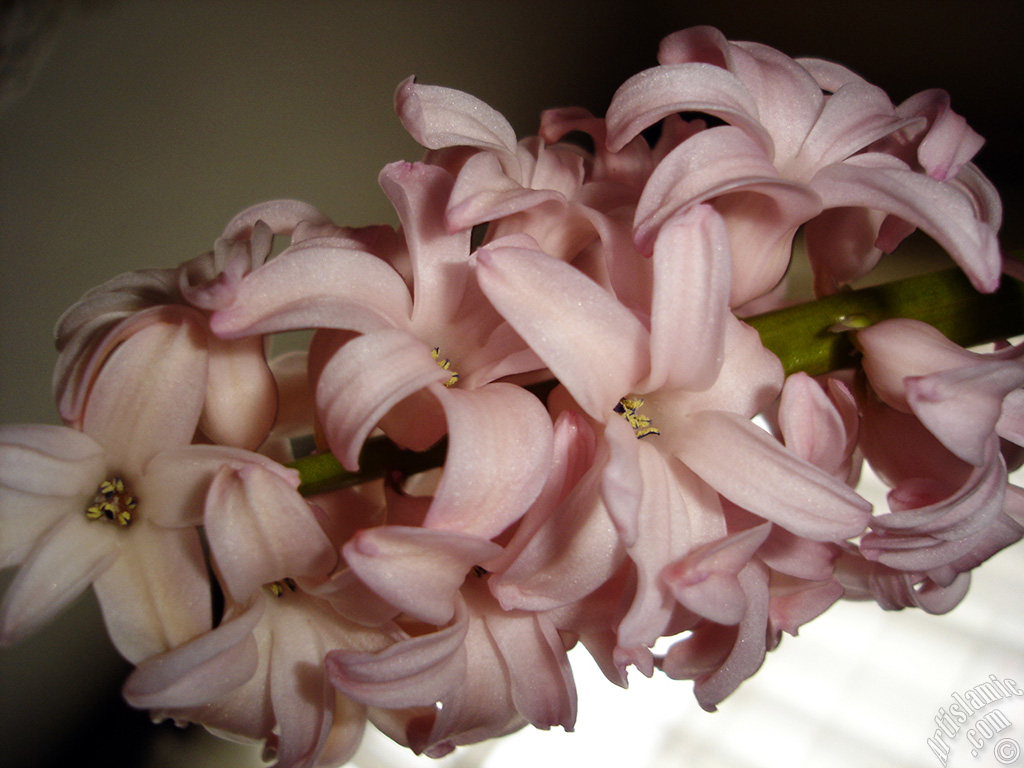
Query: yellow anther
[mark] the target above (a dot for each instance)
(446, 365)
(277, 588)
(628, 408)
(112, 503)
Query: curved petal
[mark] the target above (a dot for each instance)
(211, 665)
(364, 380)
(313, 285)
(418, 570)
(241, 396)
(655, 93)
(940, 210)
(706, 580)
(176, 481)
(690, 301)
(752, 469)
(439, 117)
(156, 594)
(417, 671)
(65, 560)
(439, 258)
(962, 406)
(260, 530)
(149, 395)
(592, 344)
(500, 443)
(282, 216)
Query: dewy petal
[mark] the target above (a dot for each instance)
(260, 530)
(149, 395)
(962, 406)
(706, 582)
(852, 118)
(710, 163)
(439, 259)
(70, 556)
(418, 570)
(591, 343)
(541, 681)
(156, 594)
(500, 443)
(241, 396)
(690, 301)
(176, 481)
(281, 216)
(364, 380)
(47, 460)
(439, 117)
(653, 94)
(417, 671)
(316, 285)
(213, 664)
(752, 469)
(940, 210)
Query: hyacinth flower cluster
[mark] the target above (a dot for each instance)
(539, 413)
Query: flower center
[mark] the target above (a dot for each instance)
(112, 503)
(278, 588)
(629, 408)
(446, 365)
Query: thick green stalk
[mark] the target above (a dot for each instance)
(812, 337)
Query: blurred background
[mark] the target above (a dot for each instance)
(131, 132)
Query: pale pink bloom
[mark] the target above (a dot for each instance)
(240, 398)
(789, 152)
(425, 360)
(963, 397)
(486, 673)
(259, 675)
(151, 580)
(688, 383)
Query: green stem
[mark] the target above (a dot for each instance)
(809, 337)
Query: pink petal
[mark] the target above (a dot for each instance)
(199, 671)
(940, 210)
(418, 570)
(813, 427)
(439, 259)
(574, 552)
(64, 561)
(599, 351)
(852, 118)
(962, 406)
(260, 530)
(752, 469)
(149, 395)
(317, 286)
(541, 682)
(156, 594)
(47, 460)
(176, 481)
(440, 117)
(653, 94)
(282, 216)
(241, 396)
(706, 582)
(499, 452)
(364, 380)
(690, 301)
(417, 671)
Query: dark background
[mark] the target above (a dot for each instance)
(131, 132)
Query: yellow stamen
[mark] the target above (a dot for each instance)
(112, 503)
(277, 588)
(446, 365)
(628, 408)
